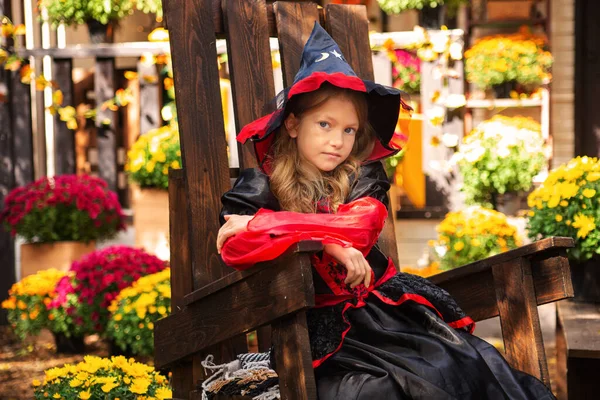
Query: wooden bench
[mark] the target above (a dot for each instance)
(578, 350)
(213, 307)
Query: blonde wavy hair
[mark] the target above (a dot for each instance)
(299, 185)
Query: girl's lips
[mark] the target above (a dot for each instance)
(332, 155)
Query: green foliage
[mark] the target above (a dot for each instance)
(566, 204)
(136, 309)
(398, 6)
(63, 208)
(501, 155)
(473, 234)
(151, 156)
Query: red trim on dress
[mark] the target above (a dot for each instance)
(325, 300)
(461, 323)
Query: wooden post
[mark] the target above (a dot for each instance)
(64, 138)
(181, 271)
(106, 124)
(515, 296)
(7, 256)
(16, 160)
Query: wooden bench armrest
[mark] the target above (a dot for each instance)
(238, 303)
(473, 288)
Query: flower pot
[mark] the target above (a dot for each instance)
(69, 345)
(502, 91)
(432, 18)
(508, 203)
(60, 255)
(151, 220)
(585, 276)
(100, 33)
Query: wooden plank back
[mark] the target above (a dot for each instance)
(250, 66)
(181, 271)
(202, 132)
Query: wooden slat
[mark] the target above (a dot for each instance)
(520, 322)
(474, 290)
(7, 256)
(20, 100)
(348, 25)
(538, 247)
(581, 324)
(150, 96)
(306, 246)
(345, 24)
(295, 22)
(64, 138)
(106, 124)
(181, 271)
(237, 310)
(249, 58)
(201, 129)
(293, 358)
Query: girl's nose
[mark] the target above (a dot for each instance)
(337, 139)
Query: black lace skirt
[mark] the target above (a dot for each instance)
(407, 351)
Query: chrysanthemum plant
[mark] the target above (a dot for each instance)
(522, 58)
(473, 234)
(63, 208)
(136, 309)
(500, 155)
(151, 156)
(102, 378)
(101, 275)
(566, 204)
(65, 311)
(28, 300)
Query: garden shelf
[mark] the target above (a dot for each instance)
(504, 103)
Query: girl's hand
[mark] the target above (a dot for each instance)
(356, 264)
(234, 224)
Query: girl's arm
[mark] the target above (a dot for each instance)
(269, 234)
(250, 193)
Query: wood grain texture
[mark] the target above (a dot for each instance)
(474, 290)
(181, 271)
(581, 324)
(250, 66)
(106, 124)
(348, 25)
(552, 244)
(519, 319)
(294, 22)
(7, 256)
(20, 104)
(306, 246)
(578, 350)
(201, 128)
(64, 138)
(293, 358)
(249, 304)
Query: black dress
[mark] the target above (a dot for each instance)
(403, 337)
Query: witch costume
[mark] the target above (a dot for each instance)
(400, 338)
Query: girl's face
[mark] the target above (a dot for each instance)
(325, 134)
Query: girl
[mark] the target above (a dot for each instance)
(374, 333)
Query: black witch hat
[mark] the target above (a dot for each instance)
(322, 61)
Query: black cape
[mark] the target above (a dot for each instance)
(403, 338)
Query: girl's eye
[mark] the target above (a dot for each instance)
(324, 124)
(350, 131)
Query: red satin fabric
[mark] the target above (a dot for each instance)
(270, 233)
